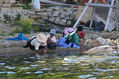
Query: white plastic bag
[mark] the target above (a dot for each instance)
(36, 4)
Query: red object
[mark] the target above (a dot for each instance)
(81, 35)
(85, 1)
(20, 1)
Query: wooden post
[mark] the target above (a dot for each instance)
(117, 21)
(82, 14)
(109, 14)
(93, 15)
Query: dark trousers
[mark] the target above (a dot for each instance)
(31, 46)
(51, 46)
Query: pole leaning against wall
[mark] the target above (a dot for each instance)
(109, 14)
(82, 14)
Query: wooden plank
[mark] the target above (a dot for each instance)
(56, 3)
(109, 14)
(93, 15)
(117, 22)
(98, 5)
(82, 14)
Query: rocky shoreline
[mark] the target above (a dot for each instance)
(9, 48)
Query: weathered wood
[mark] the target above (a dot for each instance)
(99, 5)
(56, 3)
(93, 15)
(109, 14)
(82, 14)
(117, 21)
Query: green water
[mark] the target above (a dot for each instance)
(32, 67)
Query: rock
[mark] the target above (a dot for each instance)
(106, 49)
(6, 1)
(1, 37)
(63, 22)
(57, 20)
(49, 14)
(7, 5)
(68, 22)
(56, 8)
(62, 16)
(12, 1)
(52, 19)
(4, 10)
(103, 41)
(55, 13)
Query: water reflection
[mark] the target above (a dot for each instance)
(85, 76)
(11, 72)
(64, 65)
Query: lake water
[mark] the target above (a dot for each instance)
(55, 67)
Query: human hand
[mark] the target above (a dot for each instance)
(45, 51)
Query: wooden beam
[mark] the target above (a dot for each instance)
(109, 14)
(82, 14)
(99, 5)
(93, 15)
(117, 21)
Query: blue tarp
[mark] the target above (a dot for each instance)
(61, 43)
(20, 37)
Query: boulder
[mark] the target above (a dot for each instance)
(12, 1)
(57, 20)
(52, 19)
(106, 49)
(6, 5)
(68, 22)
(104, 41)
(63, 22)
(4, 10)
(55, 13)
(6, 1)
(62, 16)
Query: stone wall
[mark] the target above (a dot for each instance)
(13, 12)
(7, 1)
(63, 16)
